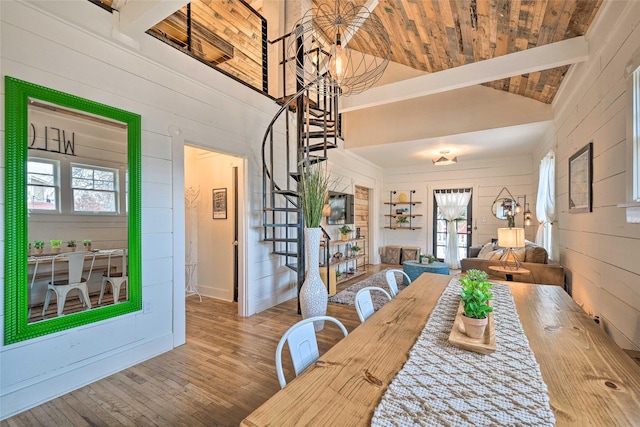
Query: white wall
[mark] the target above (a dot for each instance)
(485, 177)
(165, 87)
(600, 250)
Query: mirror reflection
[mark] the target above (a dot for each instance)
(501, 206)
(77, 191)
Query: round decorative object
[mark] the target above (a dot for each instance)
(402, 197)
(313, 294)
(344, 48)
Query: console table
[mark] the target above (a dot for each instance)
(415, 268)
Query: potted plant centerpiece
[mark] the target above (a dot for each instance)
(475, 295)
(38, 246)
(56, 244)
(344, 232)
(314, 184)
(71, 245)
(87, 244)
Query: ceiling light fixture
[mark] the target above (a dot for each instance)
(443, 160)
(341, 47)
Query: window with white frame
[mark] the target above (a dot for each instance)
(43, 185)
(94, 189)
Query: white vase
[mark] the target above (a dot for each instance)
(313, 294)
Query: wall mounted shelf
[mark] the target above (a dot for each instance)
(407, 212)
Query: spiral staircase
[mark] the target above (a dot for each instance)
(301, 133)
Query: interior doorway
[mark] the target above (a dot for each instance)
(211, 223)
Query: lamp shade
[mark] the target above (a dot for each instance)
(511, 237)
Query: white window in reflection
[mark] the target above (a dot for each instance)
(94, 189)
(42, 184)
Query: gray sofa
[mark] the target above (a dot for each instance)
(535, 260)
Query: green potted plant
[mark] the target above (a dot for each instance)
(87, 244)
(56, 244)
(344, 232)
(71, 245)
(355, 250)
(475, 295)
(402, 220)
(38, 246)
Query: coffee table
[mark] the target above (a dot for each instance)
(414, 269)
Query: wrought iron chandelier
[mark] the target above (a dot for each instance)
(343, 47)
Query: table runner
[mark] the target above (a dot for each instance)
(444, 385)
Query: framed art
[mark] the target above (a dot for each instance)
(219, 203)
(580, 179)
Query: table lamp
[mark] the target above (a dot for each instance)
(510, 238)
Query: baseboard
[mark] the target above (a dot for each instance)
(35, 394)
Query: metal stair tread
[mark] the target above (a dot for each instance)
(282, 225)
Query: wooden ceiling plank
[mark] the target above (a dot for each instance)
(550, 22)
(528, 61)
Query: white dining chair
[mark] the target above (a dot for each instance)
(303, 345)
(391, 280)
(364, 302)
(115, 278)
(73, 279)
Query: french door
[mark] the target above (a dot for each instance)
(463, 225)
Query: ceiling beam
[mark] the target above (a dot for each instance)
(137, 16)
(531, 60)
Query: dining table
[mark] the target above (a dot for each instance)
(590, 380)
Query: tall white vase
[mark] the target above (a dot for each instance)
(313, 294)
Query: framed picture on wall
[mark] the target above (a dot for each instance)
(219, 203)
(580, 179)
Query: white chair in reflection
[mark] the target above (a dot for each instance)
(72, 279)
(115, 278)
(364, 302)
(303, 345)
(391, 280)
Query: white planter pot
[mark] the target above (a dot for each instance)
(313, 294)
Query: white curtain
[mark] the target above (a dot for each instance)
(546, 202)
(452, 205)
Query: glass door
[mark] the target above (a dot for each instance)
(463, 224)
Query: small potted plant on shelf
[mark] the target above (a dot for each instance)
(402, 220)
(344, 232)
(475, 295)
(355, 250)
(87, 244)
(71, 245)
(38, 246)
(56, 244)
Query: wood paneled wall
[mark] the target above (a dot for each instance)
(600, 250)
(362, 219)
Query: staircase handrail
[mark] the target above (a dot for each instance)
(277, 115)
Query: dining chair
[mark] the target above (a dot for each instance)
(115, 278)
(303, 345)
(364, 303)
(391, 280)
(72, 279)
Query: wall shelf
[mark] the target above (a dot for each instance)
(409, 214)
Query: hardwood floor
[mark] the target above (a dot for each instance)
(224, 372)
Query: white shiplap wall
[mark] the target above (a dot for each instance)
(600, 250)
(485, 177)
(72, 47)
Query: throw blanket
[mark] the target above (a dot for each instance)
(441, 385)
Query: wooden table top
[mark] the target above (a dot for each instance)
(591, 380)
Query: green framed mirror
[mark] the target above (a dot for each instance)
(72, 174)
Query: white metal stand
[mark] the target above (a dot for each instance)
(190, 266)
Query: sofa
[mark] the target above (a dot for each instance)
(533, 257)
